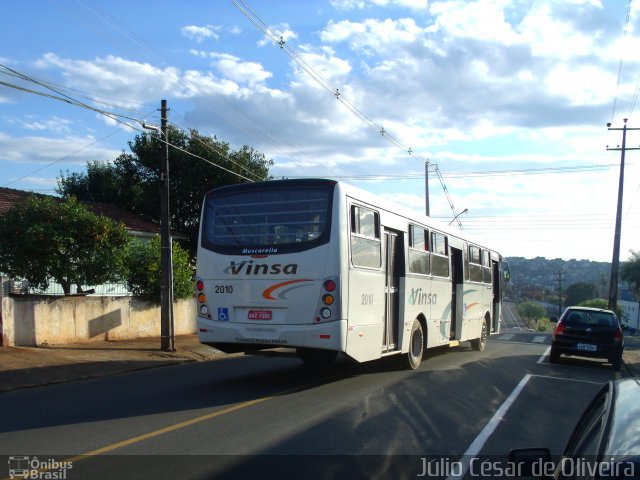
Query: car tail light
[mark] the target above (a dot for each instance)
(559, 330)
(200, 285)
(617, 337)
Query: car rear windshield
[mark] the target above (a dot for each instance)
(583, 317)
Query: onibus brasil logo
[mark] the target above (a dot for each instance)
(28, 467)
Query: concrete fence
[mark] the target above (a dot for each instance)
(35, 320)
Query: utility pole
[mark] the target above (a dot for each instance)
(560, 273)
(615, 261)
(166, 261)
(426, 187)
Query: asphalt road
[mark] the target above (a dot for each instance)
(248, 416)
(511, 319)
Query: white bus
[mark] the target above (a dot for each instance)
(322, 267)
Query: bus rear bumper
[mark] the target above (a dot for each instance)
(233, 336)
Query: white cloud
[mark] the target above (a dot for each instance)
(47, 150)
(115, 77)
(282, 31)
(361, 4)
(373, 37)
(481, 20)
(200, 34)
(242, 72)
(54, 124)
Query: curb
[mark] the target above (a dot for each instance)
(168, 363)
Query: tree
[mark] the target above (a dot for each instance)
(579, 292)
(531, 311)
(46, 239)
(603, 304)
(132, 180)
(143, 276)
(630, 272)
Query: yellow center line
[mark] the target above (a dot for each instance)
(170, 428)
(162, 431)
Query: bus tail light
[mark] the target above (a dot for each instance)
(329, 285)
(203, 309)
(328, 304)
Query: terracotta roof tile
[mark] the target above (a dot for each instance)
(132, 221)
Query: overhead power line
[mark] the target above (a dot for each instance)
(114, 116)
(624, 41)
(332, 89)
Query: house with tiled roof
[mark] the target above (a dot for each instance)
(136, 225)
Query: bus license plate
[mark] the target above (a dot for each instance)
(260, 314)
(587, 347)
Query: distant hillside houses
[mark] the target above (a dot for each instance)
(542, 274)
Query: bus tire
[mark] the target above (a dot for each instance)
(413, 357)
(317, 358)
(479, 344)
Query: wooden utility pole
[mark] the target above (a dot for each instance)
(560, 273)
(426, 188)
(166, 260)
(615, 261)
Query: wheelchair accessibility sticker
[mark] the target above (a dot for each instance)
(223, 314)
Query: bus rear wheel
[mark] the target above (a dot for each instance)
(479, 344)
(413, 357)
(317, 358)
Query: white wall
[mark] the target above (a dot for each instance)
(32, 321)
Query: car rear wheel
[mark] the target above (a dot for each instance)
(616, 363)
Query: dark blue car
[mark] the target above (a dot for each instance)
(588, 332)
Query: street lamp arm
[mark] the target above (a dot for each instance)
(466, 210)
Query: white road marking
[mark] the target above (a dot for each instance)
(539, 339)
(544, 355)
(475, 448)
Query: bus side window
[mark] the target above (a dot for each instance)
(439, 257)
(475, 266)
(365, 237)
(486, 266)
(419, 250)
(466, 262)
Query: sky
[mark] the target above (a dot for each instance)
(508, 100)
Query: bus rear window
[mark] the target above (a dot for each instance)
(267, 218)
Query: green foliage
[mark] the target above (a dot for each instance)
(531, 311)
(579, 292)
(544, 325)
(600, 303)
(595, 303)
(132, 180)
(630, 272)
(47, 239)
(144, 271)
